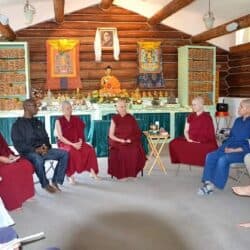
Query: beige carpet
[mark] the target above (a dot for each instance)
(155, 212)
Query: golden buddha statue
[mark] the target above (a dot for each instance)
(150, 94)
(110, 85)
(155, 94)
(124, 93)
(136, 96)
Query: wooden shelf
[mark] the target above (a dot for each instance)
(14, 75)
(196, 74)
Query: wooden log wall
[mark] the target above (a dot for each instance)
(131, 28)
(222, 65)
(239, 75)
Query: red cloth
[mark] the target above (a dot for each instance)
(221, 114)
(17, 184)
(201, 129)
(126, 160)
(80, 160)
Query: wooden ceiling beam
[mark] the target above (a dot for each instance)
(221, 30)
(106, 4)
(242, 49)
(7, 32)
(168, 10)
(59, 10)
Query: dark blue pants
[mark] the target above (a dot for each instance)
(7, 234)
(217, 165)
(53, 154)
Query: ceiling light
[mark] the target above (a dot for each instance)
(4, 20)
(29, 11)
(208, 18)
(232, 26)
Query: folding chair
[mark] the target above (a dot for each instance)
(50, 166)
(241, 171)
(179, 166)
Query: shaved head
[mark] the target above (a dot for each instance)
(28, 102)
(199, 99)
(66, 108)
(65, 103)
(30, 108)
(246, 103)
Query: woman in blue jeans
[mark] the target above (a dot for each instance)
(232, 150)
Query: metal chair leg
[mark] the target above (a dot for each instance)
(178, 169)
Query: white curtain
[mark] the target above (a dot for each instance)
(97, 46)
(116, 51)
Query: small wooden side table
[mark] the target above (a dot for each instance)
(156, 143)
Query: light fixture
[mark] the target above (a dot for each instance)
(4, 20)
(29, 11)
(232, 26)
(208, 18)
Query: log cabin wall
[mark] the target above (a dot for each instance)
(239, 75)
(222, 67)
(131, 28)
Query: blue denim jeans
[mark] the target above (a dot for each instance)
(217, 165)
(53, 154)
(7, 234)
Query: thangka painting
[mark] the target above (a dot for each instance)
(150, 65)
(63, 64)
(150, 57)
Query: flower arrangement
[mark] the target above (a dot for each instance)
(101, 96)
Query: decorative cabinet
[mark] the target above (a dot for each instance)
(14, 75)
(196, 74)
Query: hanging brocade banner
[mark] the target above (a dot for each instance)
(63, 71)
(150, 65)
(150, 57)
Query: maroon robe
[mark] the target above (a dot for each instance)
(126, 160)
(80, 160)
(17, 179)
(201, 129)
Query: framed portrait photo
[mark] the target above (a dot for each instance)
(107, 37)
